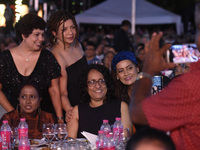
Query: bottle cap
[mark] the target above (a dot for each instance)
(118, 118)
(5, 121)
(100, 131)
(105, 121)
(22, 119)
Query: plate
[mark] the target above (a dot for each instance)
(39, 142)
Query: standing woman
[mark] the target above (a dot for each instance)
(63, 35)
(28, 61)
(124, 72)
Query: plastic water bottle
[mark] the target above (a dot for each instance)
(117, 130)
(24, 144)
(22, 129)
(5, 135)
(0, 143)
(100, 141)
(109, 144)
(105, 127)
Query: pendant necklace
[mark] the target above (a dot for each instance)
(27, 58)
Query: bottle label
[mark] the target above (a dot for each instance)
(97, 144)
(110, 148)
(119, 130)
(23, 132)
(24, 147)
(5, 135)
(0, 145)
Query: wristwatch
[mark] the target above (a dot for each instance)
(144, 75)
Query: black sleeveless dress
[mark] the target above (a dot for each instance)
(73, 72)
(46, 69)
(91, 119)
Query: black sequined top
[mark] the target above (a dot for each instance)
(46, 69)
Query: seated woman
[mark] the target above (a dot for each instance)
(124, 72)
(29, 108)
(96, 89)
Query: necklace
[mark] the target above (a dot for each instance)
(27, 57)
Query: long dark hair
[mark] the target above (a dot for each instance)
(82, 84)
(121, 90)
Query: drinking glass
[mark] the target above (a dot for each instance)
(48, 134)
(14, 136)
(73, 145)
(60, 132)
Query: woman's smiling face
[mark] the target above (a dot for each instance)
(126, 72)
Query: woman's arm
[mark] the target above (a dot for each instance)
(72, 126)
(55, 97)
(125, 117)
(4, 101)
(63, 90)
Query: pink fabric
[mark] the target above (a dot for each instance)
(177, 109)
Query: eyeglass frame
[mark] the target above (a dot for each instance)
(101, 82)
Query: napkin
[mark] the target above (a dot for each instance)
(90, 137)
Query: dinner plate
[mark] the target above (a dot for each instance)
(40, 142)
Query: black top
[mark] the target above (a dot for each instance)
(73, 72)
(46, 69)
(91, 119)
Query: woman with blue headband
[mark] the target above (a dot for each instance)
(124, 72)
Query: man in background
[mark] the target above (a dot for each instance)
(121, 38)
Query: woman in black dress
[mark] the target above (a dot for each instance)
(63, 37)
(28, 61)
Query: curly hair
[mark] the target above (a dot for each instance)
(56, 19)
(27, 24)
(82, 84)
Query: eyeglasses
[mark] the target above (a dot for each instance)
(93, 83)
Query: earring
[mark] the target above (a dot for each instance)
(55, 39)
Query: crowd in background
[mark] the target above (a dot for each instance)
(95, 46)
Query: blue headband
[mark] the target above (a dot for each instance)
(123, 55)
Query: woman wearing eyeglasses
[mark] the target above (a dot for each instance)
(96, 88)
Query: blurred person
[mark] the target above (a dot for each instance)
(96, 88)
(29, 61)
(9, 42)
(176, 108)
(108, 59)
(63, 38)
(140, 52)
(99, 51)
(111, 49)
(90, 53)
(121, 38)
(29, 98)
(9, 16)
(150, 139)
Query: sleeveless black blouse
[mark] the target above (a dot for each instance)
(91, 119)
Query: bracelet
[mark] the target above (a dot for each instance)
(144, 75)
(60, 118)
